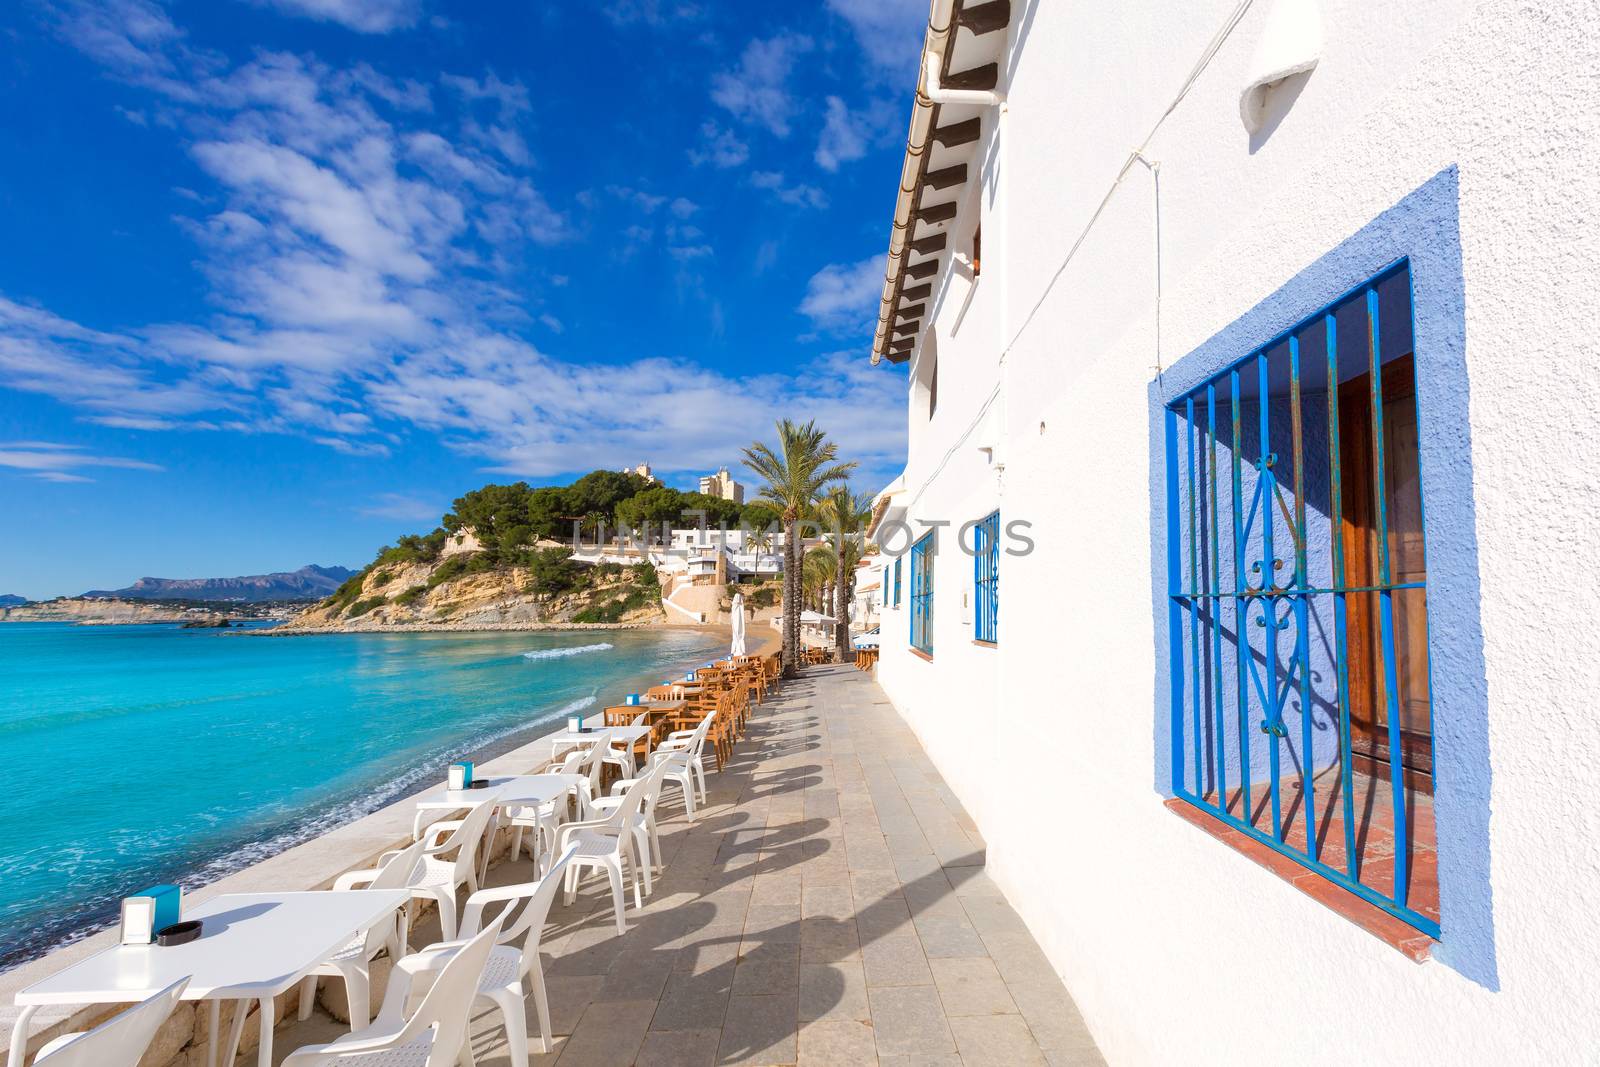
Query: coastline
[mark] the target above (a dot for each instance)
(519, 744)
(461, 628)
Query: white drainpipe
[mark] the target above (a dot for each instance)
(934, 91)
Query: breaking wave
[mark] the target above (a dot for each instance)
(559, 653)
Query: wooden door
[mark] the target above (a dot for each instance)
(1369, 705)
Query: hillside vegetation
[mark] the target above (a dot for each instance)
(502, 557)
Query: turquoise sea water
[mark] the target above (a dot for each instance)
(138, 755)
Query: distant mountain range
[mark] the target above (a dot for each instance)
(310, 582)
(11, 600)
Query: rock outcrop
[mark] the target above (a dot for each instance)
(98, 611)
(410, 595)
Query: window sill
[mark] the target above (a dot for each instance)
(917, 652)
(985, 644)
(1407, 940)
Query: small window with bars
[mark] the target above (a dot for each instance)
(897, 583)
(922, 594)
(1297, 599)
(986, 577)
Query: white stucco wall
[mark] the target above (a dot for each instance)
(1177, 949)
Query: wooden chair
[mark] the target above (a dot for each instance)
(696, 708)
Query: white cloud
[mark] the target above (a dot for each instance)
(403, 507)
(842, 297)
(757, 90)
(649, 12)
(53, 462)
(645, 202)
(512, 96)
(364, 268)
(847, 134)
(800, 195)
(890, 32)
(720, 147)
(363, 16)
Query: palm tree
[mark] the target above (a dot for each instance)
(817, 573)
(804, 463)
(760, 543)
(843, 515)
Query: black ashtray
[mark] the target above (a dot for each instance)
(179, 933)
(479, 783)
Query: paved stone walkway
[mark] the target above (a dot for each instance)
(828, 907)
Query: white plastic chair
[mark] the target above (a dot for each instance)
(604, 843)
(120, 1041)
(544, 819)
(353, 963)
(441, 879)
(434, 1035)
(643, 822)
(684, 751)
(622, 758)
(508, 966)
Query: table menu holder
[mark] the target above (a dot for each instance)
(149, 911)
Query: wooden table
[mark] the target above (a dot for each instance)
(658, 715)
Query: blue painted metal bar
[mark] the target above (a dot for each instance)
(1272, 725)
(1174, 616)
(1422, 523)
(986, 576)
(1391, 680)
(1258, 594)
(1272, 681)
(1308, 789)
(1214, 586)
(1341, 659)
(1241, 642)
(1194, 614)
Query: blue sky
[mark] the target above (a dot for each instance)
(283, 277)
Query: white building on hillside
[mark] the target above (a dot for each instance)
(643, 471)
(722, 485)
(1249, 358)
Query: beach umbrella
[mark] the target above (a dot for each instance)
(738, 625)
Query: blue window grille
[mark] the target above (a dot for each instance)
(897, 583)
(922, 593)
(1297, 613)
(986, 577)
(883, 583)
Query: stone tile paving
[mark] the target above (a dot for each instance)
(828, 906)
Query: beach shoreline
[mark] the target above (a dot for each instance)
(465, 628)
(516, 745)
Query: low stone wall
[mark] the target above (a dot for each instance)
(316, 864)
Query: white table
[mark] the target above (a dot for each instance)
(629, 734)
(253, 946)
(502, 791)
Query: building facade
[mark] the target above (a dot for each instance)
(1248, 388)
(722, 485)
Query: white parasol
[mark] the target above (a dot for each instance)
(738, 625)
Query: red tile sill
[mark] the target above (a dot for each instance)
(1405, 939)
(921, 654)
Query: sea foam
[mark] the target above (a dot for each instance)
(574, 650)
